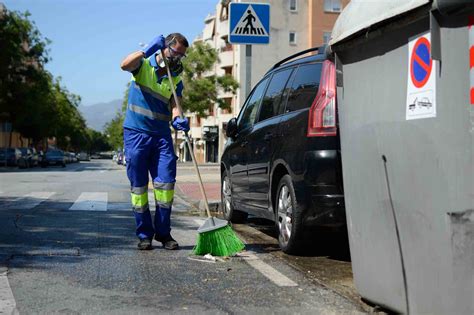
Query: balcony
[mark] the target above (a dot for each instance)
(223, 28)
(226, 57)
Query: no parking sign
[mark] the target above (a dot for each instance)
(421, 88)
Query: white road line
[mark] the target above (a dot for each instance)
(91, 201)
(268, 271)
(7, 300)
(31, 200)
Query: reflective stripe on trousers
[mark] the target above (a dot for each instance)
(164, 194)
(139, 198)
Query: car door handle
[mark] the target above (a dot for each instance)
(244, 143)
(268, 136)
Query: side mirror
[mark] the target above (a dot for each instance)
(231, 129)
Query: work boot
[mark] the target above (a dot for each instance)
(144, 244)
(168, 242)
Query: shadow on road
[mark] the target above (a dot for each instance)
(333, 244)
(51, 230)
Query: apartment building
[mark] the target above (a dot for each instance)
(295, 25)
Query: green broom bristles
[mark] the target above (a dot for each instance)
(219, 242)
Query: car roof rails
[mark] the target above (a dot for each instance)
(320, 50)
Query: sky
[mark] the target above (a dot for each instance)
(91, 37)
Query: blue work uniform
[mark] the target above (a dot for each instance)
(149, 148)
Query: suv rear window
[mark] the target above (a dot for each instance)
(273, 96)
(304, 87)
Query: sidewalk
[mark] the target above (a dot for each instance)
(187, 185)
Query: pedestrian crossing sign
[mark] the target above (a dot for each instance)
(249, 23)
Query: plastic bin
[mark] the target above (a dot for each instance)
(407, 137)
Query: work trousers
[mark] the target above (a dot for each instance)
(146, 154)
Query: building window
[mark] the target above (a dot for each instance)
(293, 6)
(326, 37)
(332, 5)
(228, 70)
(292, 38)
(224, 14)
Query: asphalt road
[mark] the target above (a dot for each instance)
(67, 245)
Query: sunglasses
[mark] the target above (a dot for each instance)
(175, 53)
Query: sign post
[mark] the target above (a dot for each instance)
(249, 24)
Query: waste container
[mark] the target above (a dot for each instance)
(406, 115)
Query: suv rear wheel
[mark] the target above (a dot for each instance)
(228, 210)
(288, 217)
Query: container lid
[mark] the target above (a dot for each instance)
(361, 14)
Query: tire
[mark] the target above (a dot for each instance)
(288, 217)
(228, 210)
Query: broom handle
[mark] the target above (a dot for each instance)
(188, 142)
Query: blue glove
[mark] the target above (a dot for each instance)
(156, 44)
(180, 124)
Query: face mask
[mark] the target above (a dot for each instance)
(176, 67)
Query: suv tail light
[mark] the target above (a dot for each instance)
(322, 114)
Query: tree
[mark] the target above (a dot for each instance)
(201, 90)
(113, 128)
(24, 92)
(30, 98)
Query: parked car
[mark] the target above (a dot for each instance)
(83, 156)
(29, 158)
(72, 157)
(54, 157)
(9, 156)
(120, 158)
(282, 160)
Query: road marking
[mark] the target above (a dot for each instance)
(7, 300)
(268, 271)
(91, 201)
(31, 200)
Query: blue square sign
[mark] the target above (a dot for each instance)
(249, 23)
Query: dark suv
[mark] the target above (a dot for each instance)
(282, 160)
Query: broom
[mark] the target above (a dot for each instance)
(215, 236)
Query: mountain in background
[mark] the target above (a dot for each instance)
(98, 115)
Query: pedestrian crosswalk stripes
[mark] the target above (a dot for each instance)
(30, 200)
(91, 201)
(82, 201)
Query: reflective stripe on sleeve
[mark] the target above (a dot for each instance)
(148, 113)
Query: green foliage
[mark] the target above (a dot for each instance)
(114, 129)
(30, 98)
(200, 89)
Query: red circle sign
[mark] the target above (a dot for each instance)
(421, 62)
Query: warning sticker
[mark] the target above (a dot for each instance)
(421, 86)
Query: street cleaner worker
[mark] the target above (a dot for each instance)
(147, 136)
